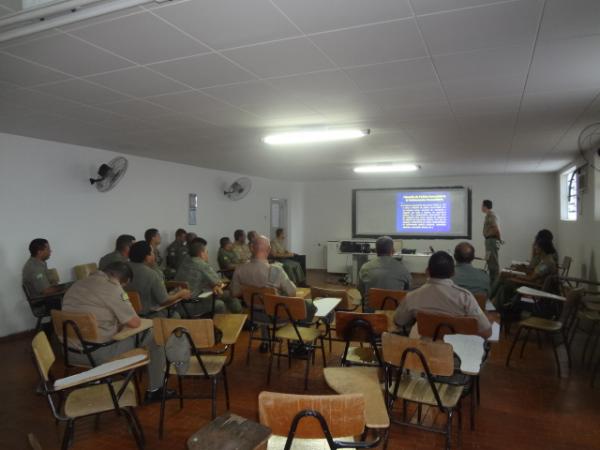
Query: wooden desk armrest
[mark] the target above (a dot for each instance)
(128, 332)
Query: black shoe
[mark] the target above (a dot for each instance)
(298, 350)
(264, 348)
(156, 396)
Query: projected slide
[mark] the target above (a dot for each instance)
(415, 213)
(423, 212)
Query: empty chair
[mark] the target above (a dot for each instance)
(314, 421)
(84, 270)
(346, 304)
(363, 328)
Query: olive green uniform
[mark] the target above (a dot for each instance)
(291, 267)
(440, 296)
(491, 234)
(149, 284)
(35, 277)
(201, 277)
(110, 258)
(383, 272)
(106, 300)
(175, 254)
(242, 251)
(228, 259)
(472, 279)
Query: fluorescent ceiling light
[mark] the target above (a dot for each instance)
(310, 136)
(387, 168)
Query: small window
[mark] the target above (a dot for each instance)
(569, 195)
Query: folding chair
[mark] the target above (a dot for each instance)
(84, 270)
(385, 299)
(344, 305)
(253, 298)
(363, 328)
(305, 421)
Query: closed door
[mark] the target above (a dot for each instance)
(278, 215)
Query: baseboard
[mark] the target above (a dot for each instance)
(17, 336)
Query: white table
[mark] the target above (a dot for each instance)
(469, 349)
(525, 290)
(325, 306)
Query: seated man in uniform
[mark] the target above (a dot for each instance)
(228, 259)
(152, 237)
(35, 272)
(102, 295)
(201, 277)
(176, 252)
(239, 246)
(147, 282)
(465, 275)
(441, 296)
(259, 273)
(291, 267)
(121, 253)
(385, 271)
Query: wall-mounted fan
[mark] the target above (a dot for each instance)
(238, 189)
(110, 174)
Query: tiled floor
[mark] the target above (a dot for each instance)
(525, 406)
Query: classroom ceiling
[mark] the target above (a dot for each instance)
(457, 86)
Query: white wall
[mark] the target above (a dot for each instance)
(44, 192)
(523, 203)
(581, 239)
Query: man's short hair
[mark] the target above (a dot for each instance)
(384, 246)
(197, 247)
(237, 234)
(441, 265)
(200, 240)
(189, 237)
(37, 245)
(124, 241)
(139, 251)
(120, 270)
(179, 232)
(224, 241)
(149, 234)
(487, 204)
(252, 235)
(464, 252)
(278, 232)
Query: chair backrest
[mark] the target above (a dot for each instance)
(571, 306)
(84, 270)
(319, 292)
(86, 322)
(202, 331)
(52, 275)
(43, 354)
(436, 326)
(135, 300)
(481, 298)
(295, 305)
(381, 299)
(438, 355)
(353, 326)
(252, 293)
(565, 266)
(344, 414)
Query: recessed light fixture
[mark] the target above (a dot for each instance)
(310, 136)
(386, 168)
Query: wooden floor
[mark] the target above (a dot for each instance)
(523, 407)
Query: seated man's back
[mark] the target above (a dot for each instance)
(465, 275)
(259, 273)
(385, 272)
(149, 285)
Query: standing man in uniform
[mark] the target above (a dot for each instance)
(176, 252)
(385, 271)
(491, 233)
(201, 277)
(121, 253)
(102, 295)
(152, 237)
(147, 282)
(239, 246)
(35, 271)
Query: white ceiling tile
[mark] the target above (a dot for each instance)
(142, 38)
(392, 75)
(410, 95)
(37, 101)
(230, 117)
(566, 64)
(485, 87)
(488, 105)
(22, 73)
(68, 54)
(12, 5)
(230, 23)
(432, 6)
(81, 91)
(315, 15)
(138, 81)
(372, 44)
(188, 102)
(281, 58)
(317, 86)
(242, 94)
(169, 121)
(138, 109)
(496, 25)
(101, 18)
(573, 18)
(203, 71)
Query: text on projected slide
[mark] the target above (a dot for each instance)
(423, 212)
